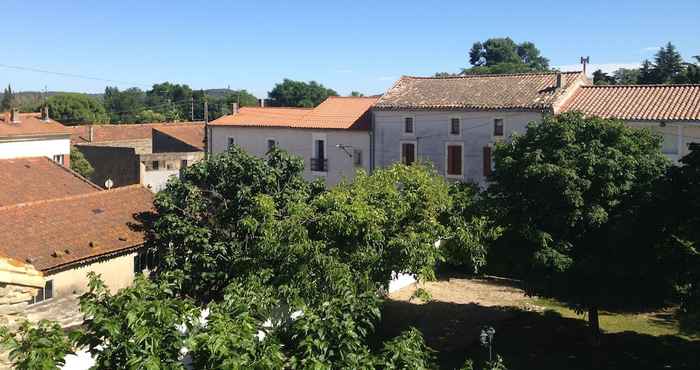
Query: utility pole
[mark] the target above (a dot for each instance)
(206, 129)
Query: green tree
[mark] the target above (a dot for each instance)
(668, 64)
(79, 164)
(299, 94)
(42, 346)
(124, 106)
(602, 78)
(569, 189)
(7, 99)
(648, 74)
(73, 108)
(503, 55)
(626, 76)
(356, 93)
(174, 101)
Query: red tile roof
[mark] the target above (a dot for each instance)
(192, 135)
(638, 102)
(30, 125)
(31, 179)
(333, 113)
(520, 91)
(51, 234)
(121, 132)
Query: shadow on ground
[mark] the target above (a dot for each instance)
(531, 340)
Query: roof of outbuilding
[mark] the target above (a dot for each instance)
(520, 91)
(31, 179)
(638, 102)
(30, 125)
(51, 234)
(120, 132)
(344, 113)
(192, 135)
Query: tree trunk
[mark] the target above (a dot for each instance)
(594, 324)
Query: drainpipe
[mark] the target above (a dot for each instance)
(372, 137)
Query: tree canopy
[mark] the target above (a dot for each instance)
(79, 164)
(567, 191)
(290, 93)
(667, 67)
(503, 55)
(73, 108)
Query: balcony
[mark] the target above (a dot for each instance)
(319, 164)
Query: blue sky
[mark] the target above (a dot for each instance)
(346, 45)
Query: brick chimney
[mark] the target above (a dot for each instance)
(234, 108)
(45, 113)
(14, 115)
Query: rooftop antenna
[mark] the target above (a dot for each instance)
(585, 61)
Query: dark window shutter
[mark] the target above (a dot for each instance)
(487, 161)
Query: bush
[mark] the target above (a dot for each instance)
(36, 347)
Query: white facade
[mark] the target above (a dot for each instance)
(34, 147)
(433, 134)
(346, 151)
(677, 136)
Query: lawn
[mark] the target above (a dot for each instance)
(533, 333)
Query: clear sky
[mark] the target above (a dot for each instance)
(346, 45)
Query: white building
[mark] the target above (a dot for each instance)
(25, 135)
(333, 138)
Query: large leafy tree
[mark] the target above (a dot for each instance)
(668, 63)
(124, 106)
(299, 94)
(569, 190)
(503, 55)
(73, 108)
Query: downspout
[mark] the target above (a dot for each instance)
(372, 137)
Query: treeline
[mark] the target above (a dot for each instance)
(668, 67)
(164, 102)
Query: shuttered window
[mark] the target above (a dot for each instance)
(454, 160)
(487, 161)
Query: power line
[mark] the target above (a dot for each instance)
(74, 75)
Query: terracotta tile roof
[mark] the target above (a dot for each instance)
(52, 234)
(522, 91)
(30, 125)
(122, 132)
(30, 179)
(192, 135)
(333, 113)
(638, 102)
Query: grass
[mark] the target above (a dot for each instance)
(656, 323)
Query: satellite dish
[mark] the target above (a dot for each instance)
(109, 183)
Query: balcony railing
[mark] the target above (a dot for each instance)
(319, 164)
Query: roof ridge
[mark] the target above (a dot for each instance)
(488, 75)
(71, 197)
(642, 85)
(70, 171)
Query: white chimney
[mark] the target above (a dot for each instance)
(45, 113)
(261, 103)
(14, 115)
(91, 133)
(234, 108)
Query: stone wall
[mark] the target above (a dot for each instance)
(13, 303)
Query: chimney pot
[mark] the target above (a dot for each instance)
(91, 133)
(45, 113)
(234, 108)
(559, 82)
(261, 103)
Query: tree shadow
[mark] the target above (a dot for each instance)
(531, 340)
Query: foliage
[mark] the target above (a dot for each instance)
(667, 67)
(503, 55)
(79, 164)
(422, 294)
(470, 230)
(356, 93)
(42, 346)
(602, 78)
(8, 99)
(407, 351)
(124, 106)
(299, 94)
(568, 191)
(73, 108)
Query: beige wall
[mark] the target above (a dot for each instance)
(677, 136)
(116, 272)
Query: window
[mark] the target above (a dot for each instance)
(408, 153)
(498, 127)
(408, 125)
(357, 157)
(319, 162)
(488, 163)
(231, 142)
(454, 160)
(454, 126)
(58, 159)
(271, 144)
(44, 293)
(155, 165)
(183, 164)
